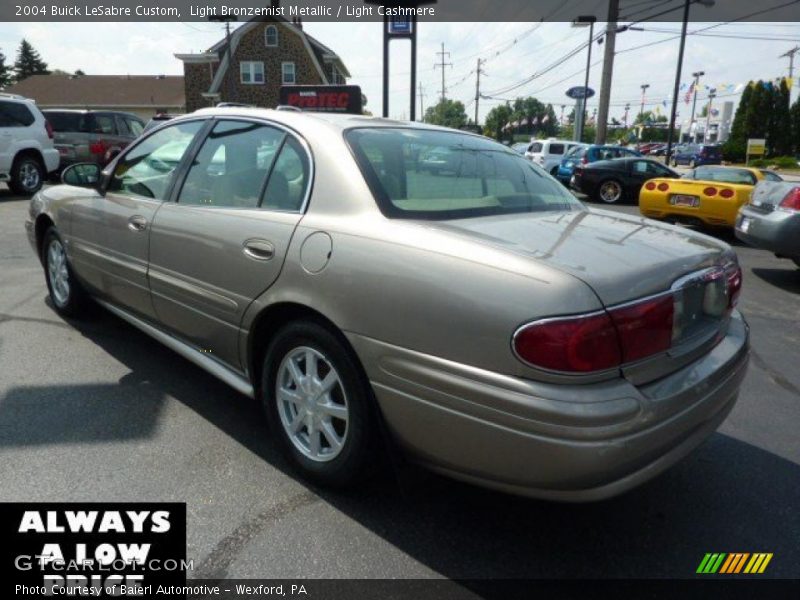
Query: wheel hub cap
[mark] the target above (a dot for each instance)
(312, 404)
(57, 272)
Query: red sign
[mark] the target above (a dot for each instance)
(323, 98)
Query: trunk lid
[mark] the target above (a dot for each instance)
(767, 195)
(621, 257)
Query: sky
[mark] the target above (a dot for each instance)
(513, 52)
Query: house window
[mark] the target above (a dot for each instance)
(271, 36)
(336, 77)
(251, 71)
(288, 73)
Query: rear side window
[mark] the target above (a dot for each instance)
(423, 174)
(557, 149)
(577, 152)
(15, 114)
(289, 179)
(69, 122)
(535, 147)
(232, 165)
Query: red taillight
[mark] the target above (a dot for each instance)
(97, 148)
(663, 187)
(599, 341)
(734, 285)
(726, 193)
(577, 344)
(48, 128)
(644, 328)
(792, 200)
(650, 185)
(584, 161)
(710, 191)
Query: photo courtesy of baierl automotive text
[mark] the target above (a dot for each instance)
(425, 299)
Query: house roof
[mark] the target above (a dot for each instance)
(103, 90)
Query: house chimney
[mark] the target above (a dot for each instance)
(275, 4)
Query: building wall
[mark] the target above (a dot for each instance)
(252, 47)
(197, 78)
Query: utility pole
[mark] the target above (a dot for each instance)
(697, 75)
(627, 108)
(790, 55)
(478, 72)
(608, 72)
(561, 119)
(644, 87)
(421, 95)
(442, 65)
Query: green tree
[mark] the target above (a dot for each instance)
(6, 76)
(496, 120)
(736, 145)
(28, 62)
(779, 131)
(447, 113)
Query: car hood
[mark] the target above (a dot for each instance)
(621, 257)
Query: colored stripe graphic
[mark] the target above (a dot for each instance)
(734, 562)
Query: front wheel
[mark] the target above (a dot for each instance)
(27, 176)
(66, 293)
(610, 191)
(319, 405)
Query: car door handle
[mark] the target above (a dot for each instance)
(137, 223)
(258, 249)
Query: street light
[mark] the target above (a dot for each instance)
(644, 87)
(627, 108)
(583, 21)
(687, 3)
(711, 95)
(697, 75)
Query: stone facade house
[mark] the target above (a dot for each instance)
(265, 54)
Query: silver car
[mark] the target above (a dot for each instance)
(482, 318)
(771, 220)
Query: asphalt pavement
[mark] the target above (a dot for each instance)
(94, 410)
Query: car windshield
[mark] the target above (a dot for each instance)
(423, 174)
(576, 152)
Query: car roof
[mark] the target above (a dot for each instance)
(84, 111)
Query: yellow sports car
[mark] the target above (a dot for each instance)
(709, 195)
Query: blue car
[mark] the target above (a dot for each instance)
(589, 154)
(696, 155)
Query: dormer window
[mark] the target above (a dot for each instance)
(271, 36)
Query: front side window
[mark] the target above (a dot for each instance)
(288, 73)
(251, 71)
(232, 165)
(149, 168)
(271, 36)
(421, 174)
(576, 152)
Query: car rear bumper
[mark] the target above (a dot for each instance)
(560, 442)
(715, 212)
(778, 231)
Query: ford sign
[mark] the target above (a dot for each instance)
(578, 92)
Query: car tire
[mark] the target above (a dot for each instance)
(27, 175)
(674, 162)
(692, 164)
(610, 191)
(66, 292)
(329, 437)
(554, 171)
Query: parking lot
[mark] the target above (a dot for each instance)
(95, 410)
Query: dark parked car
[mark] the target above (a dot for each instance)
(696, 155)
(589, 154)
(771, 220)
(617, 180)
(92, 136)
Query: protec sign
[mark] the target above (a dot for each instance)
(323, 98)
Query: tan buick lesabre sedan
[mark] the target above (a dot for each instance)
(364, 277)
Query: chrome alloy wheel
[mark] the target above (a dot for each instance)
(312, 404)
(57, 272)
(29, 176)
(610, 191)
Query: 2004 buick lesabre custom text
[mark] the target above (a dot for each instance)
(503, 333)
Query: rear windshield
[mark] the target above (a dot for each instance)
(66, 121)
(421, 174)
(711, 150)
(725, 175)
(576, 152)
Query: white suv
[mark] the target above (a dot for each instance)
(548, 153)
(27, 153)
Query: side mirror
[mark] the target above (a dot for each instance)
(82, 175)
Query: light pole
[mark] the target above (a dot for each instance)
(697, 75)
(627, 108)
(644, 87)
(675, 90)
(711, 95)
(583, 21)
(561, 119)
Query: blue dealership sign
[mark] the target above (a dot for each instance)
(578, 92)
(400, 26)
